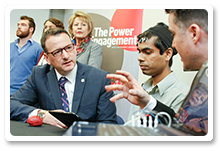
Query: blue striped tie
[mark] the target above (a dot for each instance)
(63, 94)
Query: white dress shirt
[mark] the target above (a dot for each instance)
(69, 87)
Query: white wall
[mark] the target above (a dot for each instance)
(150, 18)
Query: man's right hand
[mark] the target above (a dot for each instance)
(131, 90)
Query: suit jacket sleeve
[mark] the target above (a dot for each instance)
(23, 101)
(160, 107)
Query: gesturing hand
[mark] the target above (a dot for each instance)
(131, 90)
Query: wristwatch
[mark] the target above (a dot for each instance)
(41, 114)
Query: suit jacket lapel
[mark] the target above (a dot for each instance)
(79, 87)
(54, 88)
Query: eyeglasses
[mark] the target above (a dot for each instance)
(58, 52)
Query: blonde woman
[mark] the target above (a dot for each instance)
(81, 26)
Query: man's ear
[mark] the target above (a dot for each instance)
(168, 54)
(31, 29)
(46, 57)
(195, 32)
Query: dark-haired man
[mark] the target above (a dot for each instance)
(190, 30)
(63, 84)
(155, 60)
(24, 53)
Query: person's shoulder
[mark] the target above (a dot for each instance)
(177, 86)
(177, 82)
(94, 44)
(180, 88)
(37, 47)
(181, 84)
(13, 43)
(36, 43)
(91, 69)
(42, 69)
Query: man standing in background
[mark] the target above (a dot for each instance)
(24, 53)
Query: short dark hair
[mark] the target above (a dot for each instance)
(57, 22)
(31, 22)
(160, 44)
(185, 17)
(51, 32)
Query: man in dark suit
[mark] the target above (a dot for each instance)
(85, 86)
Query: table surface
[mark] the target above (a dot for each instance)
(24, 129)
